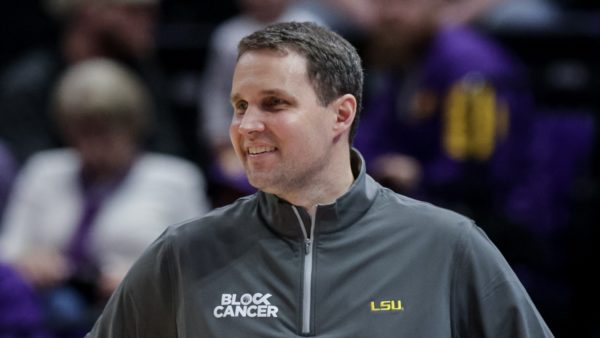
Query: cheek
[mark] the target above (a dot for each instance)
(322, 126)
(233, 132)
(306, 138)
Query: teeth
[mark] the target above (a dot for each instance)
(260, 150)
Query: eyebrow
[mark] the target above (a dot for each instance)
(235, 97)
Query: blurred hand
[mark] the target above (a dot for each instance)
(399, 172)
(44, 268)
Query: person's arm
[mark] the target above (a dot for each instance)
(144, 303)
(23, 241)
(488, 298)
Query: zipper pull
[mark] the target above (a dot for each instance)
(307, 243)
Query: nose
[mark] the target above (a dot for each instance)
(251, 122)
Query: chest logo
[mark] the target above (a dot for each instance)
(387, 305)
(247, 305)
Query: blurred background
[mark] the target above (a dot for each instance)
(531, 67)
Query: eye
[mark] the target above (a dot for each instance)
(240, 107)
(274, 103)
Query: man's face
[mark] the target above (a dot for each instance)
(279, 130)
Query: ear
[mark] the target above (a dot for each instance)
(345, 108)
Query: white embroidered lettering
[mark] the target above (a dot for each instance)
(249, 305)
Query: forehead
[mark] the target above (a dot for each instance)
(269, 70)
(282, 61)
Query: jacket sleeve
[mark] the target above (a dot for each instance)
(144, 303)
(20, 226)
(488, 298)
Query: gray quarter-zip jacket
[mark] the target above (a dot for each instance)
(372, 264)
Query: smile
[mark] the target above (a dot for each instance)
(260, 150)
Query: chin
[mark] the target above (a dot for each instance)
(260, 183)
(257, 183)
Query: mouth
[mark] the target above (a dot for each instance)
(260, 150)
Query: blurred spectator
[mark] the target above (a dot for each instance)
(118, 29)
(80, 216)
(20, 309)
(8, 170)
(215, 106)
(352, 19)
(448, 112)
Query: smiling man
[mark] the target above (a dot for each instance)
(321, 249)
(291, 144)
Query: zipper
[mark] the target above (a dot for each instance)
(308, 268)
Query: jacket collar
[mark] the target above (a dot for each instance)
(346, 210)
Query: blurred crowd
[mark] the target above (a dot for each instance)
(114, 125)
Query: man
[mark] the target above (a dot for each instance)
(322, 249)
(226, 172)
